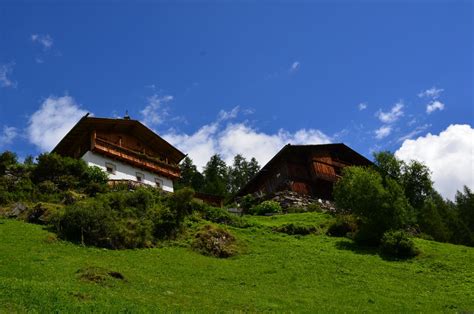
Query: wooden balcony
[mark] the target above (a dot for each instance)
(135, 158)
(326, 176)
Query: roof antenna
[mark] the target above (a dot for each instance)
(127, 117)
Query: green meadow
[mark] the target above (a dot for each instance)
(273, 272)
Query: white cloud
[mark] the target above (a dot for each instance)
(393, 115)
(7, 136)
(46, 41)
(5, 71)
(227, 115)
(362, 106)
(156, 111)
(432, 93)
(50, 123)
(239, 138)
(295, 66)
(415, 132)
(433, 106)
(449, 155)
(383, 131)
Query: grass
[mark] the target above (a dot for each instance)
(277, 272)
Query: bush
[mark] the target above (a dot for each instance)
(266, 207)
(379, 204)
(247, 202)
(182, 202)
(47, 187)
(398, 244)
(45, 214)
(293, 229)
(126, 219)
(221, 216)
(314, 207)
(91, 222)
(69, 173)
(215, 241)
(342, 226)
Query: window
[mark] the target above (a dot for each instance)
(110, 168)
(159, 182)
(140, 177)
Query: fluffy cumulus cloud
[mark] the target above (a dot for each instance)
(7, 135)
(229, 139)
(391, 116)
(50, 123)
(44, 40)
(433, 106)
(5, 72)
(449, 155)
(156, 109)
(383, 131)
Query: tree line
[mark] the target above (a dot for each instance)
(217, 178)
(396, 195)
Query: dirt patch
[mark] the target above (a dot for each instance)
(98, 275)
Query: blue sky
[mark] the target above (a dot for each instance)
(243, 77)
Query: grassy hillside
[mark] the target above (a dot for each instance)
(276, 272)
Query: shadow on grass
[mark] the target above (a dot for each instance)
(368, 250)
(358, 249)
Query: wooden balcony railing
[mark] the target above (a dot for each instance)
(135, 158)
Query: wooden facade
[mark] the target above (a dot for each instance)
(125, 140)
(305, 169)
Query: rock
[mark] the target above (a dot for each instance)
(36, 215)
(17, 210)
(290, 199)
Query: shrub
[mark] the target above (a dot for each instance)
(167, 223)
(398, 244)
(69, 173)
(91, 222)
(215, 241)
(221, 216)
(295, 210)
(45, 214)
(126, 219)
(247, 202)
(71, 197)
(47, 187)
(293, 229)
(379, 204)
(314, 207)
(266, 207)
(182, 203)
(342, 226)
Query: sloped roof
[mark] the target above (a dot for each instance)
(339, 148)
(81, 131)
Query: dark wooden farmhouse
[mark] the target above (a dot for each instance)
(305, 169)
(126, 149)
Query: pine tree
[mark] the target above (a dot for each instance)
(216, 177)
(190, 176)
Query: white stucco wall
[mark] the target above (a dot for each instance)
(125, 171)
